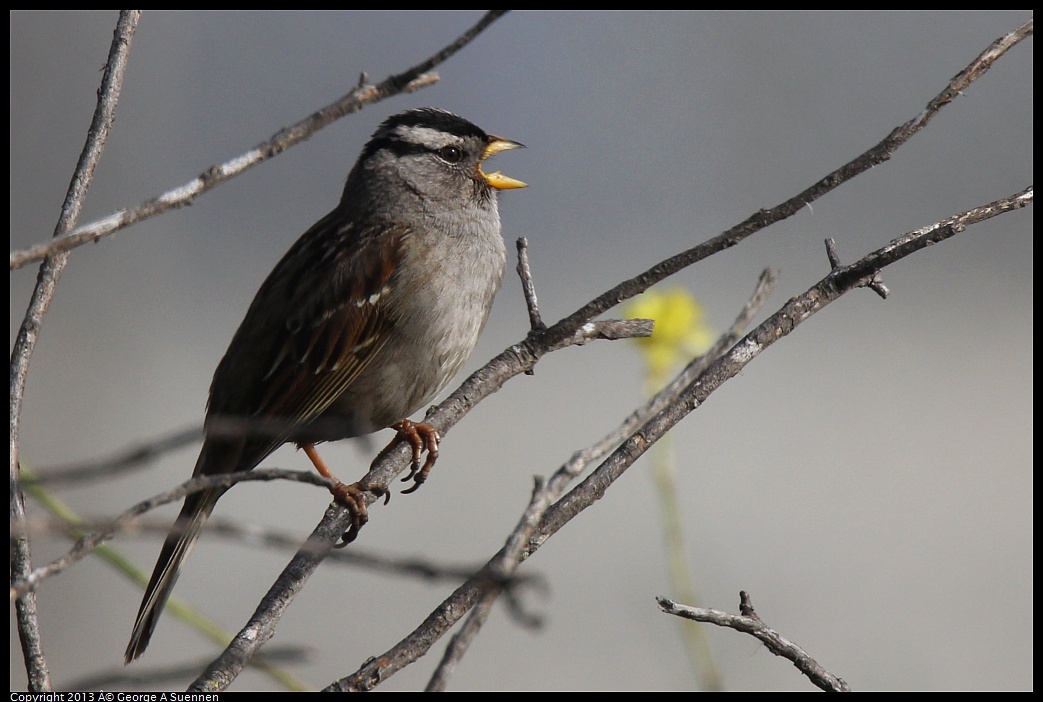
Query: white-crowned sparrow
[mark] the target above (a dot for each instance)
(363, 321)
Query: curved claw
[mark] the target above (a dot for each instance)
(352, 498)
(420, 437)
(420, 477)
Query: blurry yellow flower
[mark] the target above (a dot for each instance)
(681, 332)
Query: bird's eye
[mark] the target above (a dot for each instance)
(452, 154)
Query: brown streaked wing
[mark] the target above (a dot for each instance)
(315, 324)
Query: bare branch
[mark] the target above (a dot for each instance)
(484, 587)
(495, 574)
(47, 280)
(655, 404)
(364, 94)
(124, 461)
(754, 223)
(88, 543)
(750, 623)
(776, 327)
(607, 330)
(876, 284)
(459, 643)
(133, 678)
(264, 537)
(528, 287)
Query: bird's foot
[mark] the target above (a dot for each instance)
(352, 497)
(420, 436)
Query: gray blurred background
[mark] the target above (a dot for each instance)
(868, 479)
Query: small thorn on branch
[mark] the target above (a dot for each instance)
(746, 606)
(875, 283)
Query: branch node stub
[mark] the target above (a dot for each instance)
(831, 253)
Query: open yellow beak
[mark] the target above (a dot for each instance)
(499, 180)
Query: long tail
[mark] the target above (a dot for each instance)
(172, 557)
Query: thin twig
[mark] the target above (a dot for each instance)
(873, 157)
(493, 577)
(126, 460)
(267, 538)
(776, 327)
(168, 676)
(773, 640)
(582, 459)
(85, 545)
(46, 282)
(459, 643)
(364, 94)
(75, 527)
(528, 287)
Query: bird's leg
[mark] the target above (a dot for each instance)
(351, 496)
(420, 436)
